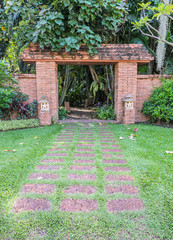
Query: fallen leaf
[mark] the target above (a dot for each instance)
(135, 129)
(35, 137)
(131, 138)
(14, 150)
(169, 152)
(20, 143)
(6, 150)
(121, 138)
(59, 123)
(100, 124)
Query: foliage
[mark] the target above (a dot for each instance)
(57, 24)
(12, 99)
(6, 79)
(18, 124)
(62, 112)
(159, 107)
(4, 37)
(76, 94)
(150, 13)
(106, 113)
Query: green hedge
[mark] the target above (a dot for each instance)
(19, 124)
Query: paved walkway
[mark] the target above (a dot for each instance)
(82, 152)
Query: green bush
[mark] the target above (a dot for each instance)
(160, 104)
(62, 113)
(18, 124)
(12, 100)
(106, 113)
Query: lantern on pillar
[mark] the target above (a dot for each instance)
(44, 111)
(128, 102)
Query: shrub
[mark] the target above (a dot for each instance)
(159, 107)
(106, 113)
(12, 100)
(62, 113)
(18, 124)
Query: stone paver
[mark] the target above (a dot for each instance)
(83, 161)
(125, 189)
(114, 161)
(120, 178)
(111, 150)
(87, 161)
(108, 141)
(90, 177)
(107, 155)
(84, 140)
(52, 160)
(84, 150)
(56, 155)
(119, 205)
(43, 176)
(113, 145)
(29, 204)
(48, 167)
(81, 167)
(78, 205)
(80, 189)
(84, 155)
(85, 145)
(38, 188)
(118, 169)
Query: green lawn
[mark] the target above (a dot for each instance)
(150, 166)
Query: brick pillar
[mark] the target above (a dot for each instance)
(125, 83)
(47, 86)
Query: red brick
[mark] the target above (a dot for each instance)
(81, 167)
(120, 178)
(38, 188)
(131, 204)
(74, 189)
(78, 205)
(90, 177)
(125, 189)
(29, 204)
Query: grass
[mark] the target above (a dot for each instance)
(150, 166)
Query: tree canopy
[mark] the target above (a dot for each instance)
(68, 23)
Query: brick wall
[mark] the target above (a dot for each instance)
(28, 86)
(47, 86)
(145, 84)
(125, 83)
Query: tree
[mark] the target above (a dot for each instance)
(151, 13)
(69, 23)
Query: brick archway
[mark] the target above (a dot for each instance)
(125, 57)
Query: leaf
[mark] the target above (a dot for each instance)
(66, 2)
(21, 143)
(169, 152)
(100, 124)
(13, 151)
(121, 138)
(36, 137)
(6, 150)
